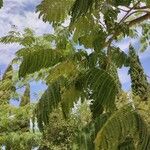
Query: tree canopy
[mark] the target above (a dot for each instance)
(86, 75)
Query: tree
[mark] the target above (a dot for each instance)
(1, 3)
(72, 74)
(138, 76)
(15, 131)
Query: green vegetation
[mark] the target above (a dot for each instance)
(84, 106)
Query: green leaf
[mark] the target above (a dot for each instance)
(7, 87)
(128, 144)
(26, 96)
(148, 2)
(69, 97)
(92, 59)
(145, 37)
(1, 3)
(122, 2)
(64, 69)
(54, 11)
(80, 8)
(110, 17)
(27, 41)
(93, 39)
(49, 101)
(99, 41)
(40, 58)
(120, 58)
(85, 29)
(88, 134)
(103, 88)
(122, 124)
(10, 39)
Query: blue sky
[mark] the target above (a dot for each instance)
(22, 14)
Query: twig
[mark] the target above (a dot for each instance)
(138, 20)
(143, 7)
(103, 25)
(126, 16)
(138, 11)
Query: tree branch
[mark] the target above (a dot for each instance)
(142, 7)
(130, 23)
(126, 15)
(139, 20)
(137, 11)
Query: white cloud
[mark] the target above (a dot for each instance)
(30, 19)
(20, 3)
(7, 53)
(20, 13)
(14, 13)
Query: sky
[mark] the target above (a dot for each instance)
(21, 13)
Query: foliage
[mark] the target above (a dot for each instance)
(48, 10)
(47, 103)
(140, 85)
(145, 38)
(15, 132)
(97, 28)
(125, 123)
(35, 60)
(60, 133)
(74, 74)
(1, 3)
(103, 89)
(26, 97)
